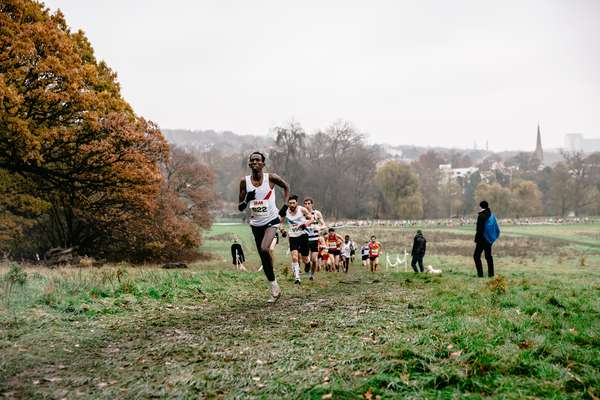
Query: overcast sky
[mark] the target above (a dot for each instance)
(424, 72)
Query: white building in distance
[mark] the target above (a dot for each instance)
(452, 174)
(576, 142)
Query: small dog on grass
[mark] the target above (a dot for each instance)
(430, 270)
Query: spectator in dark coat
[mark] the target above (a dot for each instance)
(237, 254)
(418, 251)
(481, 244)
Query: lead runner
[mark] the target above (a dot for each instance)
(257, 191)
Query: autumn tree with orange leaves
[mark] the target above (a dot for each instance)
(78, 168)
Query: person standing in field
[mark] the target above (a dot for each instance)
(318, 223)
(418, 251)
(487, 232)
(257, 191)
(237, 254)
(298, 219)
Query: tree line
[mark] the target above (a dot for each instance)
(349, 178)
(78, 168)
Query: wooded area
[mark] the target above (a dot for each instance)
(349, 178)
(78, 168)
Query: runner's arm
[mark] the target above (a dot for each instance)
(321, 220)
(242, 205)
(277, 180)
(307, 215)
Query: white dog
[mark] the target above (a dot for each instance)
(430, 270)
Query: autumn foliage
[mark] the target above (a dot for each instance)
(78, 168)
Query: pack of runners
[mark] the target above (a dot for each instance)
(318, 247)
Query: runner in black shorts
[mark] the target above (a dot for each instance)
(375, 250)
(364, 253)
(257, 191)
(313, 235)
(334, 243)
(298, 219)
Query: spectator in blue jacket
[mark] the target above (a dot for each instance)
(481, 244)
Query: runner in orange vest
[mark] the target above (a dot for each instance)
(375, 249)
(334, 244)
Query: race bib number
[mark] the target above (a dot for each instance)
(294, 228)
(259, 208)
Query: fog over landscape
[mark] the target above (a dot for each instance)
(426, 73)
(308, 200)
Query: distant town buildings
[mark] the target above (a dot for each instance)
(395, 153)
(577, 142)
(450, 174)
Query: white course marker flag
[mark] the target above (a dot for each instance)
(389, 263)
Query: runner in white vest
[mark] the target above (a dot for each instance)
(257, 191)
(317, 225)
(345, 251)
(298, 220)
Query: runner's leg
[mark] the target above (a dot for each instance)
(265, 252)
(314, 260)
(295, 266)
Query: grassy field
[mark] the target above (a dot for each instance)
(207, 332)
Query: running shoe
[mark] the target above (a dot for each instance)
(275, 294)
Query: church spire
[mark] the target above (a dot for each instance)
(539, 153)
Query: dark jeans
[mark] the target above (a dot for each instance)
(415, 260)
(483, 246)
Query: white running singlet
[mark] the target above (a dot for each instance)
(345, 250)
(294, 221)
(315, 228)
(263, 208)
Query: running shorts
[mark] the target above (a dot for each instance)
(334, 252)
(259, 231)
(300, 243)
(313, 245)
